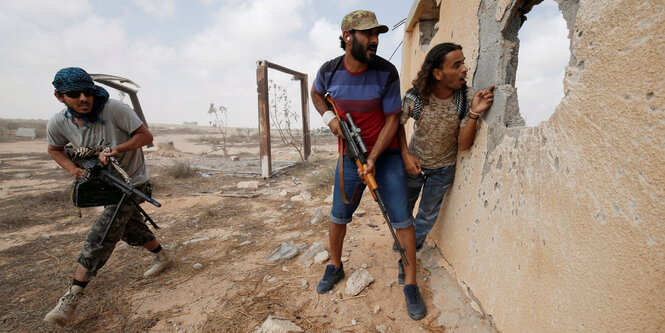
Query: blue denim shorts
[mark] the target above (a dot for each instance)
(390, 177)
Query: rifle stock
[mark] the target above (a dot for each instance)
(355, 150)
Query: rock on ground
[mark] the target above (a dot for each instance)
(278, 325)
(166, 145)
(358, 281)
(251, 184)
(321, 256)
(283, 252)
(313, 250)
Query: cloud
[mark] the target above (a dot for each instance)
(215, 64)
(212, 60)
(46, 36)
(159, 8)
(221, 59)
(42, 13)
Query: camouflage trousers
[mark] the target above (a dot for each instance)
(127, 226)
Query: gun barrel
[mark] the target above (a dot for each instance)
(126, 188)
(382, 207)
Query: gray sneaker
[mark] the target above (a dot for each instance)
(162, 262)
(63, 312)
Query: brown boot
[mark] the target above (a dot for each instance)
(163, 262)
(62, 312)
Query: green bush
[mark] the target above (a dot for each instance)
(237, 138)
(211, 140)
(181, 170)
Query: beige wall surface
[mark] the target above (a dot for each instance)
(561, 227)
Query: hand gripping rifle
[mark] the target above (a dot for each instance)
(95, 169)
(355, 151)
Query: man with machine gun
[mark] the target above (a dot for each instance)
(366, 86)
(91, 119)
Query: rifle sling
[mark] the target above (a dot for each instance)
(357, 192)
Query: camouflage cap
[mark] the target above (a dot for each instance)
(362, 20)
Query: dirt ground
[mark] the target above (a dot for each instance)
(220, 236)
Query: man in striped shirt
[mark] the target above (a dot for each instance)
(367, 86)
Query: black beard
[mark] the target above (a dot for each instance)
(360, 53)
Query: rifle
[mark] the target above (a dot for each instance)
(95, 169)
(355, 151)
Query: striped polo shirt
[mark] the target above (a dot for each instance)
(370, 96)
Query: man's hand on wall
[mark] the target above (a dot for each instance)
(482, 100)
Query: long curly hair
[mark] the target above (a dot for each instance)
(424, 83)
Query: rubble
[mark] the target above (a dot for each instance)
(358, 281)
(283, 252)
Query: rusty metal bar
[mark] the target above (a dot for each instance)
(283, 69)
(109, 81)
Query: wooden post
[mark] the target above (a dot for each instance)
(304, 102)
(264, 117)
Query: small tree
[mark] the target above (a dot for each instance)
(220, 122)
(284, 119)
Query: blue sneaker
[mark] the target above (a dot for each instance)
(400, 275)
(415, 305)
(330, 277)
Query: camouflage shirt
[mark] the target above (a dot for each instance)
(435, 131)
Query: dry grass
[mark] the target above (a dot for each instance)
(37, 272)
(322, 179)
(29, 210)
(181, 169)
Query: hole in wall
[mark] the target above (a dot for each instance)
(428, 23)
(428, 29)
(544, 52)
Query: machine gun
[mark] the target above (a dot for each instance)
(355, 151)
(99, 187)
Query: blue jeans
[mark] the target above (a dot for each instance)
(434, 185)
(391, 179)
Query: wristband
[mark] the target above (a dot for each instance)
(474, 117)
(328, 116)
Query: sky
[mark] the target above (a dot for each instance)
(543, 55)
(188, 54)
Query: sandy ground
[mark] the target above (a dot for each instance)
(220, 236)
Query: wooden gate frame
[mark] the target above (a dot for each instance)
(264, 115)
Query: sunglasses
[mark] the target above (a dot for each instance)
(77, 93)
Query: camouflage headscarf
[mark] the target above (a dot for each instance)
(75, 78)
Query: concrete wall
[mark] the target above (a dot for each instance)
(560, 227)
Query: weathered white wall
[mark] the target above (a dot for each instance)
(560, 227)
